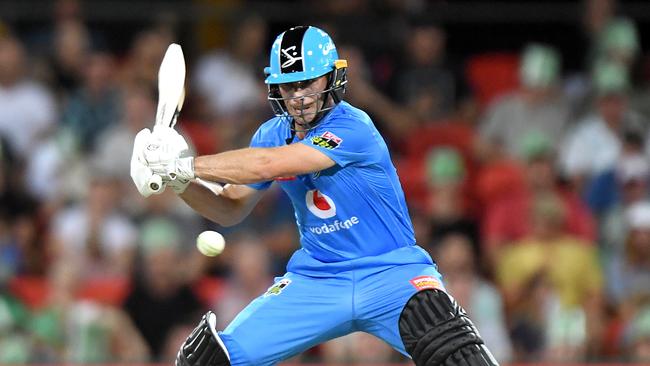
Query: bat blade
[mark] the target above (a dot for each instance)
(171, 94)
(171, 83)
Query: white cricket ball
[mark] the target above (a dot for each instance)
(210, 243)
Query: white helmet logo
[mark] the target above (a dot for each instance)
(291, 56)
(320, 204)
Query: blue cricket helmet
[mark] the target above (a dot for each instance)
(304, 53)
(301, 53)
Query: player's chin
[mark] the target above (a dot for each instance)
(303, 119)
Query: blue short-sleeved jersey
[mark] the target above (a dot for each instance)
(354, 209)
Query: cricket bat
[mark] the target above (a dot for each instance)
(171, 94)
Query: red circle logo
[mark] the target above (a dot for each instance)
(320, 204)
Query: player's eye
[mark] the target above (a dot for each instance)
(298, 85)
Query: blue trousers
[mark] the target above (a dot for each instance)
(311, 305)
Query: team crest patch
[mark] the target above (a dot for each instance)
(426, 282)
(277, 287)
(327, 140)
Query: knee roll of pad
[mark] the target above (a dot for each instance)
(203, 347)
(435, 330)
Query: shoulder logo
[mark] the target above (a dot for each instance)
(320, 204)
(327, 140)
(277, 287)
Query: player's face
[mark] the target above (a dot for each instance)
(304, 98)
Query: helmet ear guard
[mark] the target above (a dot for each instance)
(338, 80)
(274, 96)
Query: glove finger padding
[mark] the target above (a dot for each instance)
(164, 148)
(140, 173)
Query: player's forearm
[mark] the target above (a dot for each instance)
(224, 209)
(241, 166)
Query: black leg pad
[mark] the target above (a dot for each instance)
(203, 347)
(435, 330)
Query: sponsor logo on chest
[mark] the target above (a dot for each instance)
(323, 207)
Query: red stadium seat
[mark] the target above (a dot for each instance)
(456, 134)
(208, 289)
(492, 74)
(202, 136)
(32, 291)
(108, 290)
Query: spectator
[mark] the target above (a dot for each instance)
(161, 298)
(21, 249)
(72, 44)
(15, 345)
(552, 284)
(618, 42)
(510, 219)
(483, 302)
(538, 107)
(227, 79)
(628, 272)
(95, 106)
(449, 206)
(27, 109)
(140, 69)
(83, 330)
(629, 186)
(639, 336)
(424, 83)
(611, 39)
(399, 121)
(115, 144)
(93, 236)
(595, 144)
(250, 276)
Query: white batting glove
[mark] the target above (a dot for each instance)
(178, 185)
(167, 155)
(140, 172)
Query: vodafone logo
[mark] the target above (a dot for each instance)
(320, 204)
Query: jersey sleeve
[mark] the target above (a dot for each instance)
(348, 142)
(258, 140)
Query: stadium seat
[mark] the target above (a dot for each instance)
(491, 75)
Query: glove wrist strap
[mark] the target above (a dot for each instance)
(185, 168)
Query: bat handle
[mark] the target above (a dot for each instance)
(155, 183)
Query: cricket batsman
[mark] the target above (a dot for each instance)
(359, 268)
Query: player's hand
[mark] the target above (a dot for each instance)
(140, 172)
(168, 155)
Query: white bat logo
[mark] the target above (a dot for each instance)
(292, 59)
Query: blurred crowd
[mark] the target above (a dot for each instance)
(527, 184)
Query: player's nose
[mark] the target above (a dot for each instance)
(301, 102)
